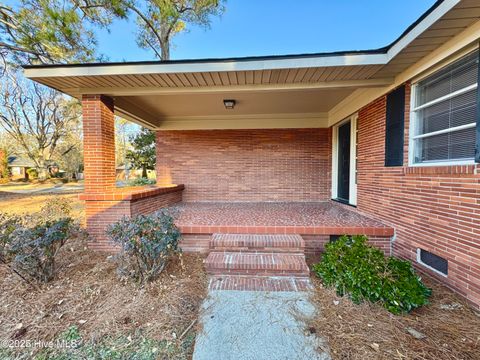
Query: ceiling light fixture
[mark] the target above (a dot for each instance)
(229, 104)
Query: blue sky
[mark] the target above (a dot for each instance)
(270, 27)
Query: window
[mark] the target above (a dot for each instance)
(444, 114)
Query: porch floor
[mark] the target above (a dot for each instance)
(311, 218)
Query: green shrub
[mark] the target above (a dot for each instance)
(32, 173)
(34, 248)
(141, 182)
(147, 243)
(352, 267)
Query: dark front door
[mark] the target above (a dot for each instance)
(343, 186)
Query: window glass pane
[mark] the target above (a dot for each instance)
(456, 145)
(457, 111)
(456, 76)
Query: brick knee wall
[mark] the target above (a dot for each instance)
(435, 208)
(101, 213)
(247, 165)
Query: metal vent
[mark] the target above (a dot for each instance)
(432, 261)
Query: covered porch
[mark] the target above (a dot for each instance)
(244, 146)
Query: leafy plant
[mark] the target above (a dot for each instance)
(141, 182)
(55, 208)
(8, 223)
(32, 173)
(34, 248)
(147, 243)
(352, 267)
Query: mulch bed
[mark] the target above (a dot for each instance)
(368, 331)
(88, 293)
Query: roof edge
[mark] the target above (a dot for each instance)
(378, 51)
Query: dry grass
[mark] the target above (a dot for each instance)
(88, 293)
(23, 203)
(368, 331)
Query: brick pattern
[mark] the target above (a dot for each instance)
(257, 243)
(98, 143)
(247, 165)
(259, 283)
(315, 244)
(321, 218)
(221, 263)
(434, 208)
(104, 202)
(257, 262)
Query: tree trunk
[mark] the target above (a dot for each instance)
(144, 172)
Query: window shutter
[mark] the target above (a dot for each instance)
(477, 142)
(394, 129)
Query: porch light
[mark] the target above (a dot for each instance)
(229, 104)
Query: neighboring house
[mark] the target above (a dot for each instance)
(380, 142)
(18, 166)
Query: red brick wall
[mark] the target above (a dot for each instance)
(98, 143)
(246, 165)
(437, 209)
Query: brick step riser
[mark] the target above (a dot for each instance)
(256, 250)
(257, 272)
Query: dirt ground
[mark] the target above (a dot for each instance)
(368, 331)
(88, 297)
(87, 293)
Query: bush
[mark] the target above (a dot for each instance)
(141, 182)
(8, 223)
(352, 267)
(32, 173)
(147, 243)
(34, 248)
(55, 208)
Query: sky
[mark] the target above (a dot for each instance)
(278, 27)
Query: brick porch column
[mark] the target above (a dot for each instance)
(98, 143)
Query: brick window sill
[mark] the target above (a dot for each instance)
(443, 170)
(131, 193)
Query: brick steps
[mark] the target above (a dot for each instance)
(275, 264)
(257, 262)
(257, 243)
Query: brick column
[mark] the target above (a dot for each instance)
(98, 143)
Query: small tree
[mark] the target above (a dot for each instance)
(36, 118)
(143, 154)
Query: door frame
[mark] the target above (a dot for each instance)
(353, 159)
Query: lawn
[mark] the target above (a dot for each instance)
(88, 306)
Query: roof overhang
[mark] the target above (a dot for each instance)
(146, 92)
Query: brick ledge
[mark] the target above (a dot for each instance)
(129, 193)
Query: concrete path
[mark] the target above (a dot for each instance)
(257, 325)
(41, 188)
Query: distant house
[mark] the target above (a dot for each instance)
(18, 166)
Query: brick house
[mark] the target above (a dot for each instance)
(299, 149)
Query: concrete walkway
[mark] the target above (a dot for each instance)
(257, 325)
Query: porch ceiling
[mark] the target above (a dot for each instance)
(188, 94)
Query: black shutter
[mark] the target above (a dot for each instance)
(477, 144)
(394, 129)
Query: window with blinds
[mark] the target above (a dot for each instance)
(444, 113)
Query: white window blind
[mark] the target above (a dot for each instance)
(444, 113)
